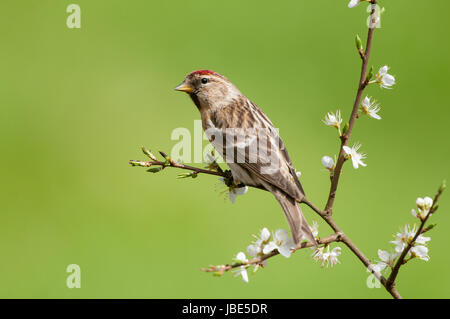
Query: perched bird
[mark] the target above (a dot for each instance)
(248, 142)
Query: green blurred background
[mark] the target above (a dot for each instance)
(77, 104)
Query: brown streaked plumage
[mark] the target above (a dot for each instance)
(249, 143)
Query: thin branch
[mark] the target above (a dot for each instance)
(171, 163)
(363, 82)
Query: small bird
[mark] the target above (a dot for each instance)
(248, 142)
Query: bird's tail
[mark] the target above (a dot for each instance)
(297, 222)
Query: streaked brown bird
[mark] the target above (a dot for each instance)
(248, 142)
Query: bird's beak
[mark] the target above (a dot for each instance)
(185, 88)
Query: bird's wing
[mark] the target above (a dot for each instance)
(273, 165)
(261, 151)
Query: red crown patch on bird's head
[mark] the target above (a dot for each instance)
(203, 72)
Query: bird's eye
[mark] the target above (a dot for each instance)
(204, 80)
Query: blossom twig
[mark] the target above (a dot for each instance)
(363, 82)
(171, 163)
(346, 240)
(261, 259)
(422, 229)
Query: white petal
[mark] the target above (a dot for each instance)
(383, 255)
(422, 239)
(285, 251)
(265, 234)
(355, 162)
(428, 202)
(336, 251)
(383, 70)
(420, 252)
(366, 102)
(253, 250)
(314, 228)
(420, 202)
(374, 115)
(388, 80)
(347, 150)
(244, 274)
(269, 247)
(379, 267)
(362, 163)
(282, 235)
(241, 257)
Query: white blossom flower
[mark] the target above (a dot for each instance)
(314, 229)
(234, 191)
(255, 249)
(262, 240)
(333, 120)
(317, 255)
(328, 258)
(384, 79)
(328, 163)
(354, 155)
(424, 203)
(402, 239)
(281, 242)
(333, 256)
(423, 207)
(370, 108)
(420, 252)
(241, 271)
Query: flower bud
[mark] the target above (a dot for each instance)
(420, 202)
(345, 129)
(359, 46)
(369, 74)
(443, 185)
(328, 162)
(149, 153)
